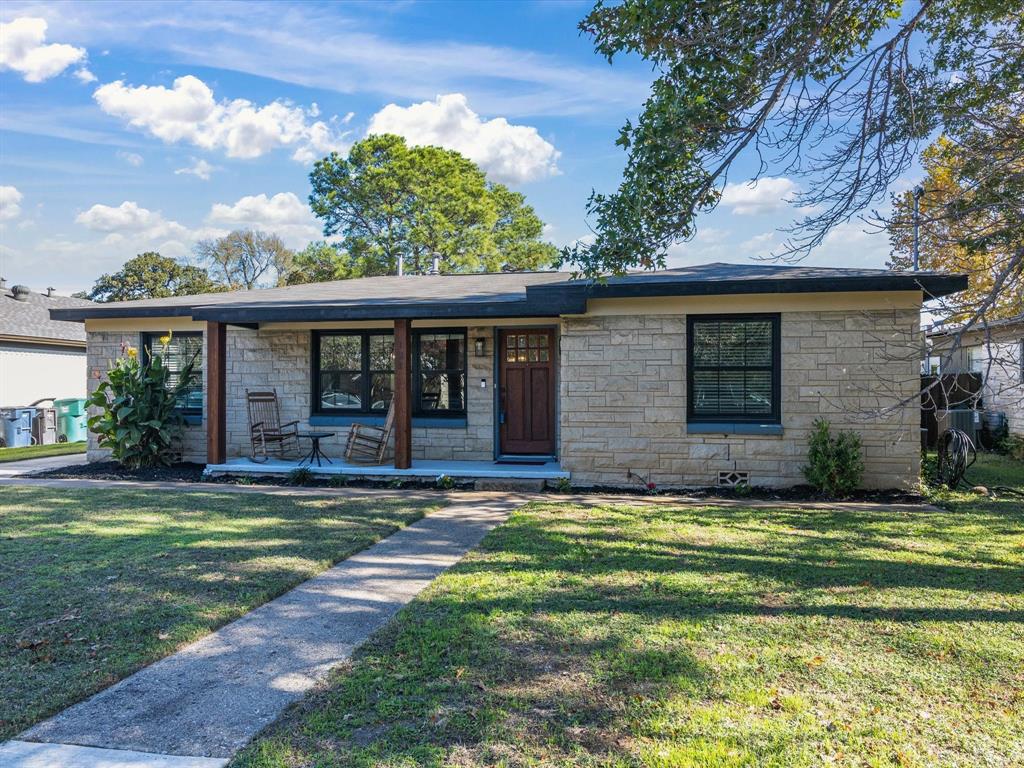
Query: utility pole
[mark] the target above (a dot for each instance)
(917, 192)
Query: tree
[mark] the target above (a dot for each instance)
(390, 201)
(152, 276)
(973, 242)
(246, 258)
(319, 262)
(839, 94)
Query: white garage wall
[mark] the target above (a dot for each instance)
(28, 373)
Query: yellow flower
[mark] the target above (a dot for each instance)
(165, 340)
(132, 352)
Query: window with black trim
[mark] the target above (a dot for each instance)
(353, 371)
(439, 374)
(181, 347)
(733, 368)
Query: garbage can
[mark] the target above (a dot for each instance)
(17, 426)
(44, 426)
(71, 419)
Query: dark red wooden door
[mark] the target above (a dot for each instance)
(527, 391)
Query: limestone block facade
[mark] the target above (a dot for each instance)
(623, 400)
(622, 383)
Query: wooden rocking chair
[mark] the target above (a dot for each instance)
(266, 431)
(367, 443)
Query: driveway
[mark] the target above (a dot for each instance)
(28, 466)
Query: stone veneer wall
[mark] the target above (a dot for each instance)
(623, 399)
(281, 359)
(102, 349)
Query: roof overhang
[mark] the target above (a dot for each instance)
(544, 300)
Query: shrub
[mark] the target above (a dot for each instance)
(445, 482)
(138, 419)
(300, 476)
(834, 464)
(1013, 446)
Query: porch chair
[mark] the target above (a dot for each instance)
(266, 431)
(368, 443)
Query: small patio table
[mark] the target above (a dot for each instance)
(314, 451)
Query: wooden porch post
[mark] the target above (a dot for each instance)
(403, 394)
(216, 394)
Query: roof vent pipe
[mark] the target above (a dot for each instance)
(435, 265)
(49, 291)
(20, 292)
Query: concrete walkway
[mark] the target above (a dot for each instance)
(28, 466)
(209, 699)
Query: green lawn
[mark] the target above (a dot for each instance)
(674, 636)
(40, 451)
(95, 584)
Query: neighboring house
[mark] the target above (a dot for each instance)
(39, 356)
(993, 350)
(686, 377)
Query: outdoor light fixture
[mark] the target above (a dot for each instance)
(480, 347)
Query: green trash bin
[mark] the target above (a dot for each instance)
(72, 426)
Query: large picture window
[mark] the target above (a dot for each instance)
(440, 373)
(353, 372)
(733, 365)
(182, 347)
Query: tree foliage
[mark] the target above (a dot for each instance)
(979, 240)
(839, 94)
(390, 201)
(246, 259)
(151, 276)
(319, 262)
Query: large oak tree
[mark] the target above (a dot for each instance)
(389, 201)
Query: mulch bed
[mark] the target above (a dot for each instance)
(193, 473)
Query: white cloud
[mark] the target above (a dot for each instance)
(10, 198)
(189, 112)
(199, 168)
(85, 76)
(22, 49)
(509, 153)
(283, 214)
(767, 195)
(130, 221)
(132, 158)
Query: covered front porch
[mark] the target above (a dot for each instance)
(419, 469)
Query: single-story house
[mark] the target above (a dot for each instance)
(40, 357)
(696, 376)
(993, 350)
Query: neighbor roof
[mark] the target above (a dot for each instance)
(1006, 322)
(507, 294)
(29, 321)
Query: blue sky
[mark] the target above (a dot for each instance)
(143, 126)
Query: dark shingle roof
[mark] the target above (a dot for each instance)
(30, 319)
(509, 294)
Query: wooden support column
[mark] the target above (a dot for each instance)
(216, 393)
(403, 394)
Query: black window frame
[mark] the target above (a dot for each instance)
(365, 372)
(775, 416)
(417, 407)
(146, 343)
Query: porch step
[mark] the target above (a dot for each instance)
(521, 484)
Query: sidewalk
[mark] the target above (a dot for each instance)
(27, 466)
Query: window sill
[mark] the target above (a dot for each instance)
(732, 428)
(377, 419)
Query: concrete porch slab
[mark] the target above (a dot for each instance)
(421, 469)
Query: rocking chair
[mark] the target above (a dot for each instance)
(367, 443)
(266, 431)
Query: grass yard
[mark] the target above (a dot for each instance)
(95, 584)
(712, 636)
(40, 451)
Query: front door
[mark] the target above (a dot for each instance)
(527, 396)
